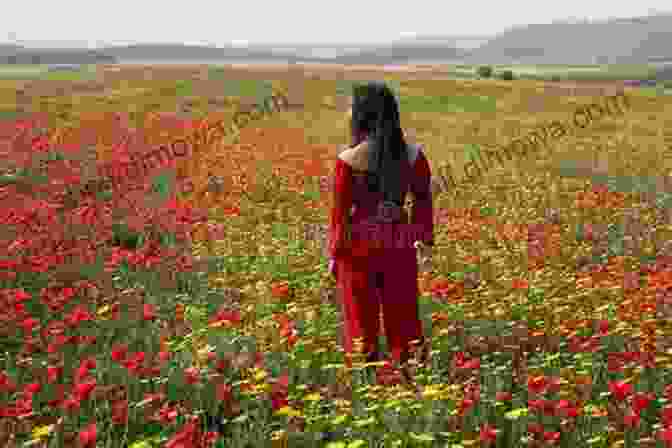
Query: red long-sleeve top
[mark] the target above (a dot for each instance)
(355, 204)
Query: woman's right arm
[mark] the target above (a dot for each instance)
(339, 225)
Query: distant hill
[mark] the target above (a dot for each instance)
(179, 52)
(390, 54)
(8, 49)
(639, 40)
(617, 41)
(399, 53)
(15, 54)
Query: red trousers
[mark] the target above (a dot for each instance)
(387, 278)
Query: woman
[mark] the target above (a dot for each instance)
(372, 178)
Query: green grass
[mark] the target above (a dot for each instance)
(447, 104)
(19, 72)
(67, 76)
(239, 87)
(8, 115)
(344, 87)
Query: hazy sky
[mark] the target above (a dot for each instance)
(91, 23)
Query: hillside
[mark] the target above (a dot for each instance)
(622, 41)
(12, 54)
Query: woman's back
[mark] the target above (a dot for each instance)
(367, 211)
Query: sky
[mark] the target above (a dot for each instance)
(77, 23)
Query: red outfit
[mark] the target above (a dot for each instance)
(368, 274)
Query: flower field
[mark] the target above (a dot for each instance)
(149, 315)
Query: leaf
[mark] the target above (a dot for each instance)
(339, 420)
(422, 437)
(357, 443)
(336, 445)
(516, 413)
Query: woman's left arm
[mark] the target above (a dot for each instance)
(422, 215)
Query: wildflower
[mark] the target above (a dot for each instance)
(191, 375)
(87, 437)
(666, 436)
(462, 362)
(280, 290)
(223, 392)
(32, 388)
(567, 409)
(148, 312)
(120, 412)
(520, 284)
(53, 373)
(119, 353)
(551, 437)
(535, 428)
(641, 401)
(488, 434)
(631, 420)
(6, 384)
(83, 390)
(465, 405)
(503, 396)
(537, 384)
(620, 389)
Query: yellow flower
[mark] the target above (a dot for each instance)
(42, 431)
(288, 411)
(259, 374)
(431, 391)
(313, 397)
(279, 439)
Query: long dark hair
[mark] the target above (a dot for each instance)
(375, 114)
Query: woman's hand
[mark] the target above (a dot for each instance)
(425, 254)
(332, 267)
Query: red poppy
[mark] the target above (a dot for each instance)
(488, 434)
(520, 284)
(119, 352)
(535, 428)
(666, 436)
(503, 396)
(280, 290)
(191, 375)
(537, 384)
(87, 437)
(223, 392)
(620, 389)
(83, 390)
(631, 420)
(551, 437)
(148, 312)
(641, 401)
(120, 412)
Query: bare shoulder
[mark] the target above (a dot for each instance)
(355, 157)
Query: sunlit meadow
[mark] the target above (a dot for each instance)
(209, 318)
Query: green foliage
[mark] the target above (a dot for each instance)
(183, 88)
(447, 104)
(485, 71)
(9, 115)
(507, 75)
(345, 87)
(245, 88)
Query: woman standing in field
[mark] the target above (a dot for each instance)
(371, 239)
